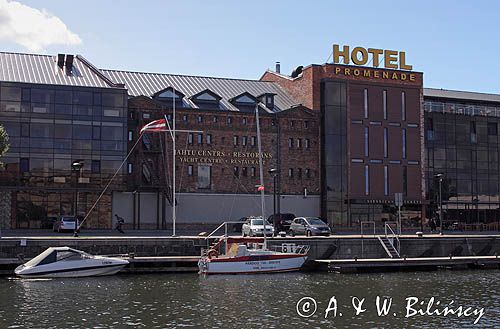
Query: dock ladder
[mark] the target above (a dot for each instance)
(390, 241)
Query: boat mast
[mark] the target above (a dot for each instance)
(261, 172)
(173, 163)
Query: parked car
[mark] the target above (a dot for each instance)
(65, 223)
(254, 226)
(309, 226)
(281, 222)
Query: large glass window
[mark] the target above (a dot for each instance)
(82, 98)
(42, 130)
(204, 172)
(10, 94)
(367, 142)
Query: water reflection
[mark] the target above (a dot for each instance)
(168, 301)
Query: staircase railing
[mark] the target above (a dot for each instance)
(392, 237)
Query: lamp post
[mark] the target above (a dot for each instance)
(274, 173)
(440, 179)
(77, 167)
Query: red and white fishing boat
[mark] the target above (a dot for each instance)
(250, 256)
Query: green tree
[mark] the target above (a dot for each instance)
(4, 143)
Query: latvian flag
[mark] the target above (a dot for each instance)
(155, 126)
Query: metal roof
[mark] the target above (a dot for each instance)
(147, 84)
(43, 69)
(461, 95)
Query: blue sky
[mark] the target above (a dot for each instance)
(455, 43)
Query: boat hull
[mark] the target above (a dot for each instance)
(252, 264)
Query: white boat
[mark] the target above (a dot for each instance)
(249, 256)
(65, 262)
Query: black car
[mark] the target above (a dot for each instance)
(281, 222)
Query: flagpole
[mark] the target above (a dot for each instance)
(173, 165)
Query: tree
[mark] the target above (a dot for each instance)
(4, 143)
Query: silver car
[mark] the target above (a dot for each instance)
(309, 226)
(254, 226)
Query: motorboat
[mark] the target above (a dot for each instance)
(251, 256)
(65, 262)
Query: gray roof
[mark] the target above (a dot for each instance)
(461, 95)
(42, 69)
(147, 84)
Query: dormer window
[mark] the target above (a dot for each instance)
(169, 95)
(268, 100)
(207, 100)
(244, 102)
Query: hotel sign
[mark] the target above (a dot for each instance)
(391, 59)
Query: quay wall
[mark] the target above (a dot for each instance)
(335, 247)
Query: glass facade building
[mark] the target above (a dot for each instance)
(50, 128)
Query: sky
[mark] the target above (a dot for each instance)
(455, 43)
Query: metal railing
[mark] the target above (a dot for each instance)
(393, 236)
(224, 224)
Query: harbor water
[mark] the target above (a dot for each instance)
(292, 300)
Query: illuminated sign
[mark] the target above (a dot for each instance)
(392, 59)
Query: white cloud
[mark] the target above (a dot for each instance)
(32, 28)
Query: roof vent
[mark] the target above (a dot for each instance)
(60, 60)
(69, 64)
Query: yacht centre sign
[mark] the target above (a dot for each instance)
(215, 156)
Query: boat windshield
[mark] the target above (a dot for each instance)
(315, 221)
(46, 257)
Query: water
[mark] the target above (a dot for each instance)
(187, 300)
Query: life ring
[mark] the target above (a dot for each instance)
(212, 253)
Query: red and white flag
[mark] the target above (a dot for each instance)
(260, 188)
(155, 126)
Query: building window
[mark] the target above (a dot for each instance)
(229, 120)
(130, 135)
(375, 161)
(292, 123)
(386, 181)
(252, 140)
(190, 170)
(473, 134)
(96, 166)
(290, 172)
(365, 98)
(354, 160)
(185, 118)
(404, 143)
(492, 129)
(366, 142)
(403, 106)
(384, 103)
(235, 140)
(25, 130)
(214, 119)
(244, 140)
(200, 138)
(236, 171)
(367, 181)
(252, 171)
(204, 176)
(385, 143)
(307, 143)
(290, 143)
(24, 165)
(209, 139)
(299, 173)
(430, 129)
(306, 124)
(96, 132)
(405, 181)
(244, 171)
(308, 173)
(130, 168)
(190, 138)
(299, 143)
(200, 119)
(244, 121)
(146, 116)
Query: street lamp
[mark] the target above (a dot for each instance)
(274, 173)
(77, 167)
(440, 179)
